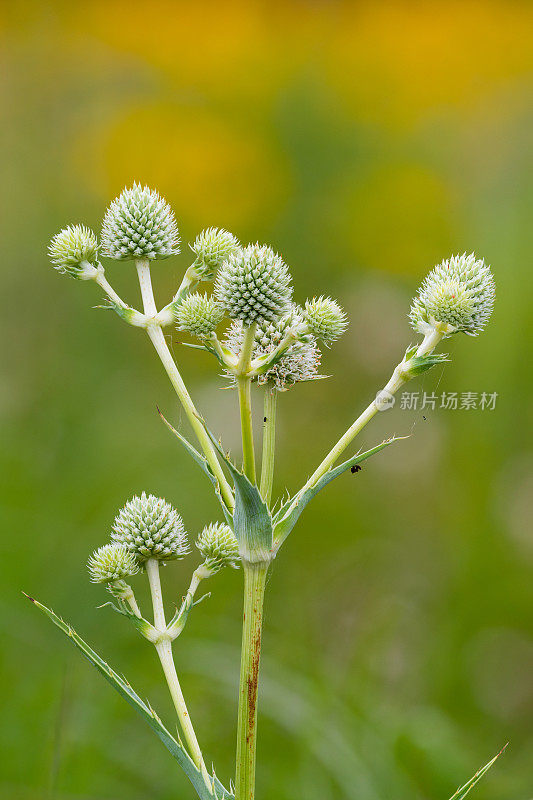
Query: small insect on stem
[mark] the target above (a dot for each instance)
(355, 468)
(264, 419)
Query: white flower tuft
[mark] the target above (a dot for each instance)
(139, 224)
(458, 293)
(212, 247)
(219, 547)
(254, 285)
(149, 527)
(74, 251)
(299, 363)
(198, 314)
(111, 563)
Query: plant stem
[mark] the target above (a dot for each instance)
(269, 444)
(158, 340)
(164, 651)
(244, 386)
(254, 588)
(132, 602)
(397, 380)
(152, 570)
(101, 280)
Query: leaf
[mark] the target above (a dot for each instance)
(202, 463)
(464, 790)
(252, 521)
(289, 513)
(124, 689)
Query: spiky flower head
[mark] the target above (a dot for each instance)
(325, 318)
(299, 363)
(219, 547)
(212, 247)
(111, 563)
(74, 251)
(149, 527)
(459, 293)
(198, 314)
(254, 285)
(139, 224)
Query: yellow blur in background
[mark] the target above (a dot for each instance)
(365, 141)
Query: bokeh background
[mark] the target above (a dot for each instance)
(366, 141)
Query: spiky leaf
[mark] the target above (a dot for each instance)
(124, 689)
(288, 515)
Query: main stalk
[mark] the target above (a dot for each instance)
(254, 590)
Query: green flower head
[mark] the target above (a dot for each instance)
(254, 285)
(111, 563)
(219, 547)
(139, 224)
(150, 528)
(325, 318)
(198, 314)
(459, 294)
(212, 247)
(74, 251)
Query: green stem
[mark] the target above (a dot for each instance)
(254, 589)
(244, 387)
(159, 342)
(397, 380)
(164, 650)
(269, 444)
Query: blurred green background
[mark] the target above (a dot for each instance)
(365, 141)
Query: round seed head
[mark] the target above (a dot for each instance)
(198, 314)
(74, 251)
(299, 363)
(459, 293)
(139, 224)
(254, 285)
(111, 563)
(212, 247)
(150, 528)
(325, 318)
(219, 547)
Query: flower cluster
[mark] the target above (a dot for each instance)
(459, 294)
(74, 251)
(300, 362)
(325, 318)
(254, 285)
(198, 314)
(218, 546)
(212, 247)
(151, 528)
(111, 563)
(139, 224)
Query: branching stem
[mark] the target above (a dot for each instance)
(269, 444)
(397, 380)
(244, 386)
(164, 650)
(158, 340)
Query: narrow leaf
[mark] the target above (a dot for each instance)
(124, 689)
(202, 463)
(464, 790)
(289, 513)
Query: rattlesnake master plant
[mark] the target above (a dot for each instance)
(271, 340)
